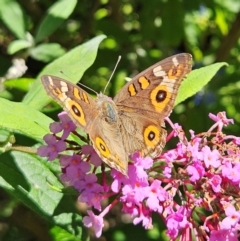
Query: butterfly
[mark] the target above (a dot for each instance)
(134, 119)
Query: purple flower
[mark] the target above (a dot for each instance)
(92, 199)
(90, 191)
(53, 147)
(88, 183)
(66, 125)
(136, 183)
(95, 159)
(94, 221)
(65, 160)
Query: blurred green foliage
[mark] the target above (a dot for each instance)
(142, 32)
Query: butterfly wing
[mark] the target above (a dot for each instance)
(143, 134)
(146, 100)
(87, 113)
(79, 105)
(108, 143)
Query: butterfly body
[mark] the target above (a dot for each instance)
(134, 119)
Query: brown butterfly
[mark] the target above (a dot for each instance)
(134, 119)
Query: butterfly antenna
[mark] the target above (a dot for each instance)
(119, 58)
(78, 83)
(87, 88)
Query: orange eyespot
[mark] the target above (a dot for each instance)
(102, 147)
(151, 136)
(77, 111)
(160, 96)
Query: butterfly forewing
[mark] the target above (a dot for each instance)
(79, 105)
(146, 100)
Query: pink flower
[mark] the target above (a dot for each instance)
(167, 171)
(181, 179)
(94, 221)
(221, 117)
(196, 171)
(170, 155)
(215, 182)
(236, 140)
(155, 193)
(223, 235)
(193, 148)
(177, 221)
(129, 205)
(232, 217)
(118, 180)
(145, 218)
(211, 158)
(146, 162)
(232, 173)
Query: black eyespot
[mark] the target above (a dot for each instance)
(76, 110)
(102, 147)
(151, 136)
(161, 95)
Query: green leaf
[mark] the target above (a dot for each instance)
(6, 95)
(54, 18)
(74, 64)
(58, 233)
(17, 45)
(26, 177)
(196, 80)
(4, 136)
(13, 17)
(6, 140)
(20, 118)
(47, 52)
(29, 178)
(22, 84)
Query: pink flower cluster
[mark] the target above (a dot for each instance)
(194, 187)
